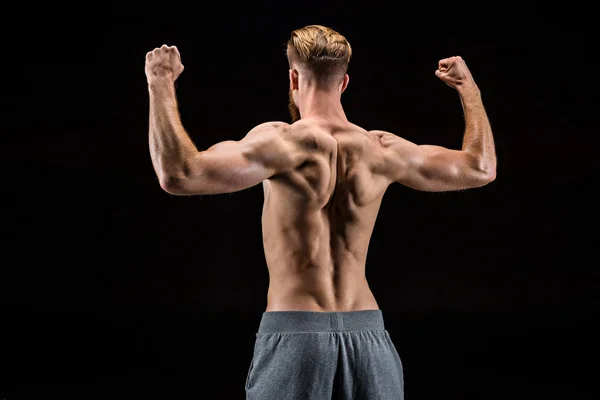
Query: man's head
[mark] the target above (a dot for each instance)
(320, 56)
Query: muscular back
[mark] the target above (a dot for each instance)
(323, 182)
(318, 218)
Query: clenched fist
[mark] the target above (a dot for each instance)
(163, 62)
(454, 72)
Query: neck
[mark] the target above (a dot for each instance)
(321, 104)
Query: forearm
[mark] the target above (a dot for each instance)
(478, 140)
(170, 145)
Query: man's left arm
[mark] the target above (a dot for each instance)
(226, 167)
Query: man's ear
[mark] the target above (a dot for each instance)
(293, 79)
(345, 82)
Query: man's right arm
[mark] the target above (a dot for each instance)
(435, 168)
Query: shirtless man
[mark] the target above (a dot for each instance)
(322, 334)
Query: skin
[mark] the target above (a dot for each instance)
(323, 178)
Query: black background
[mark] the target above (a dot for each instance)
(112, 288)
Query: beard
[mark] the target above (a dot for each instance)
(294, 111)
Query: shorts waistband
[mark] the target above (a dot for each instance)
(317, 321)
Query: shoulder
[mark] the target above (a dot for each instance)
(277, 128)
(363, 135)
(359, 139)
(382, 136)
(272, 133)
(267, 143)
(389, 140)
(302, 135)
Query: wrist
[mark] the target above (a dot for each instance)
(161, 84)
(468, 91)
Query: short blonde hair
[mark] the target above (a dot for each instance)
(322, 51)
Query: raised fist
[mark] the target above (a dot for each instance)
(454, 72)
(163, 62)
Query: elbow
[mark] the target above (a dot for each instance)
(489, 171)
(491, 175)
(168, 184)
(184, 186)
(184, 180)
(483, 171)
(485, 176)
(172, 185)
(177, 178)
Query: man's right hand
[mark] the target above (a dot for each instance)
(455, 73)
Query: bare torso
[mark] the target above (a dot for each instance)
(318, 219)
(323, 181)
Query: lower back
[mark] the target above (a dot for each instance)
(315, 289)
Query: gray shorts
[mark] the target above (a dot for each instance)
(302, 355)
